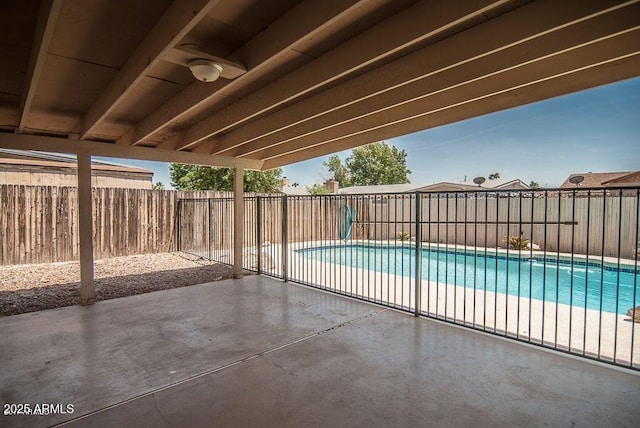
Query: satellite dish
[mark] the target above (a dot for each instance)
(479, 180)
(576, 179)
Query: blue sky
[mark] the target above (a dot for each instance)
(596, 130)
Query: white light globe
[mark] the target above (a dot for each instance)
(205, 70)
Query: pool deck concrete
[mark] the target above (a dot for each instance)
(260, 352)
(603, 335)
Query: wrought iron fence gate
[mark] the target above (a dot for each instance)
(555, 268)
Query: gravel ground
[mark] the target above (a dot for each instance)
(30, 288)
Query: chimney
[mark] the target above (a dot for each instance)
(332, 186)
(286, 182)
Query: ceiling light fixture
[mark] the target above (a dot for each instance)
(205, 70)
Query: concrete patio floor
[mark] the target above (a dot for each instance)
(259, 352)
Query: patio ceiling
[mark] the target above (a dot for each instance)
(301, 78)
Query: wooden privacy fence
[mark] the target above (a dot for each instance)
(206, 225)
(316, 218)
(38, 224)
(589, 222)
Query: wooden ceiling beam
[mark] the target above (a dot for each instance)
(520, 58)
(500, 83)
(47, 18)
(500, 34)
(410, 26)
(180, 18)
(65, 145)
(601, 74)
(267, 49)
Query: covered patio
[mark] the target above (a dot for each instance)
(237, 84)
(259, 352)
(282, 82)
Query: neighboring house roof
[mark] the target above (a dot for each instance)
(56, 160)
(632, 179)
(445, 186)
(604, 179)
(442, 186)
(295, 190)
(95, 167)
(382, 188)
(499, 184)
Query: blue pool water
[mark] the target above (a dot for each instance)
(552, 280)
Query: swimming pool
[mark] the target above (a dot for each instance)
(549, 279)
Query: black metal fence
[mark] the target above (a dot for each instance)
(555, 268)
(205, 229)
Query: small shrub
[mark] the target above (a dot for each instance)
(403, 236)
(518, 242)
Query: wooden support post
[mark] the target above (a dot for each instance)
(85, 219)
(238, 220)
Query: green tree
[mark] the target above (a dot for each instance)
(494, 176)
(193, 177)
(158, 185)
(534, 185)
(337, 171)
(377, 163)
(318, 189)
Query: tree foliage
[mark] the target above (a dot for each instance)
(494, 176)
(534, 185)
(376, 163)
(193, 177)
(337, 171)
(158, 185)
(318, 189)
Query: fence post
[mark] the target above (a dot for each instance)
(259, 232)
(179, 231)
(418, 255)
(284, 238)
(209, 240)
